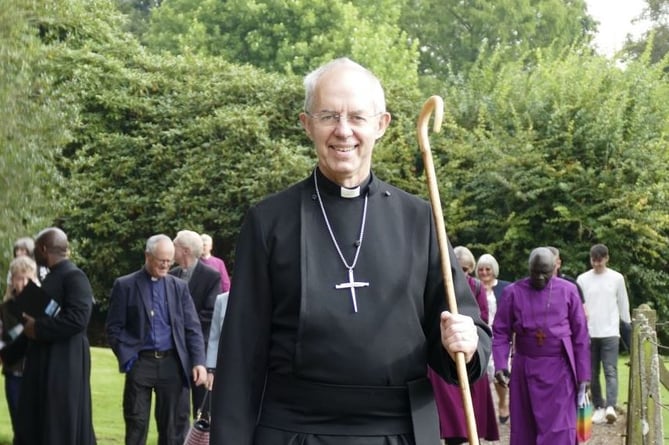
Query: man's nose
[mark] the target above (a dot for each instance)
(343, 126)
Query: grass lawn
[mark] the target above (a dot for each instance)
(107, 391)
(107, 394)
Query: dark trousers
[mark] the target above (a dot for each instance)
(12, 389)
(162, 376)
(198, 393)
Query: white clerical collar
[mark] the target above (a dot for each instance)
(349, 193)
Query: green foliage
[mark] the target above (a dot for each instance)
(654, 43)
(167, 143)
(160, 143)
(288, 36)
(172, 143)
(32, 129)
(545, 146)
(569, 153)
(138, 12)
(454, 34)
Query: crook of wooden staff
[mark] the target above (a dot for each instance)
(436, 104)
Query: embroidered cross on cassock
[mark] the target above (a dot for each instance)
(352, 284)
(540, 336)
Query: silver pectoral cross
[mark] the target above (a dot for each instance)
(352, 284)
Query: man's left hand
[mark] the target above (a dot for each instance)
(459, 334)
(29, 326)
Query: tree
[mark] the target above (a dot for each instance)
(454, 34)
(138, 12)
(159, 142)
(566, 150)
(655, 41)
(288, 36)
(569, 153)
(173, 143)
(32, 128)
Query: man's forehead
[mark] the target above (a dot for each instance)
(164, 246)
(352, 87)
(542, 257)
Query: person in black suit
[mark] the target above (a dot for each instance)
(153, 329)
(204, 285)
(55, 406)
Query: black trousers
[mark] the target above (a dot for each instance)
(198, 393)
(161, 376)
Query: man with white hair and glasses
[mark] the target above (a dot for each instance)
(337, 305)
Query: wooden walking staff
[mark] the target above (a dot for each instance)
(436, 104)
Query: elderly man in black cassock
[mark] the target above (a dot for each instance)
(337, 304)
(55, 406)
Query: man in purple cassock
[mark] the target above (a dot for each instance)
(551, 361)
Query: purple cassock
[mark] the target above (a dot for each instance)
(551, 357)
(452, 420)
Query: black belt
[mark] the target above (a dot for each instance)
(156, 354)
(310, 407)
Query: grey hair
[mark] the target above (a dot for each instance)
(311, 82)
(465, 257)
(153, 241)
(206, 238)
(542, 251)
(26, 243)
(190, 239)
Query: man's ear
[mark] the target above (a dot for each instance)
(304, 120)
(382, 124)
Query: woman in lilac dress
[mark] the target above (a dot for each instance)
(452, 422)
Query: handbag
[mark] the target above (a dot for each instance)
(584, 420)
(198, 434)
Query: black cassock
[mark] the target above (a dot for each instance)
(296, 363)
(55, 403)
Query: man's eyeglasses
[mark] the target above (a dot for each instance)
(163, 262)
(330, 119)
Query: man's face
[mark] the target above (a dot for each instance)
(542, 267)
(599, 263)
(180, 254)
(206, 247)
(158, 264)
(344, 125)
(41, 257)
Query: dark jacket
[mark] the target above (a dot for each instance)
(128, 320)
(204, 285)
